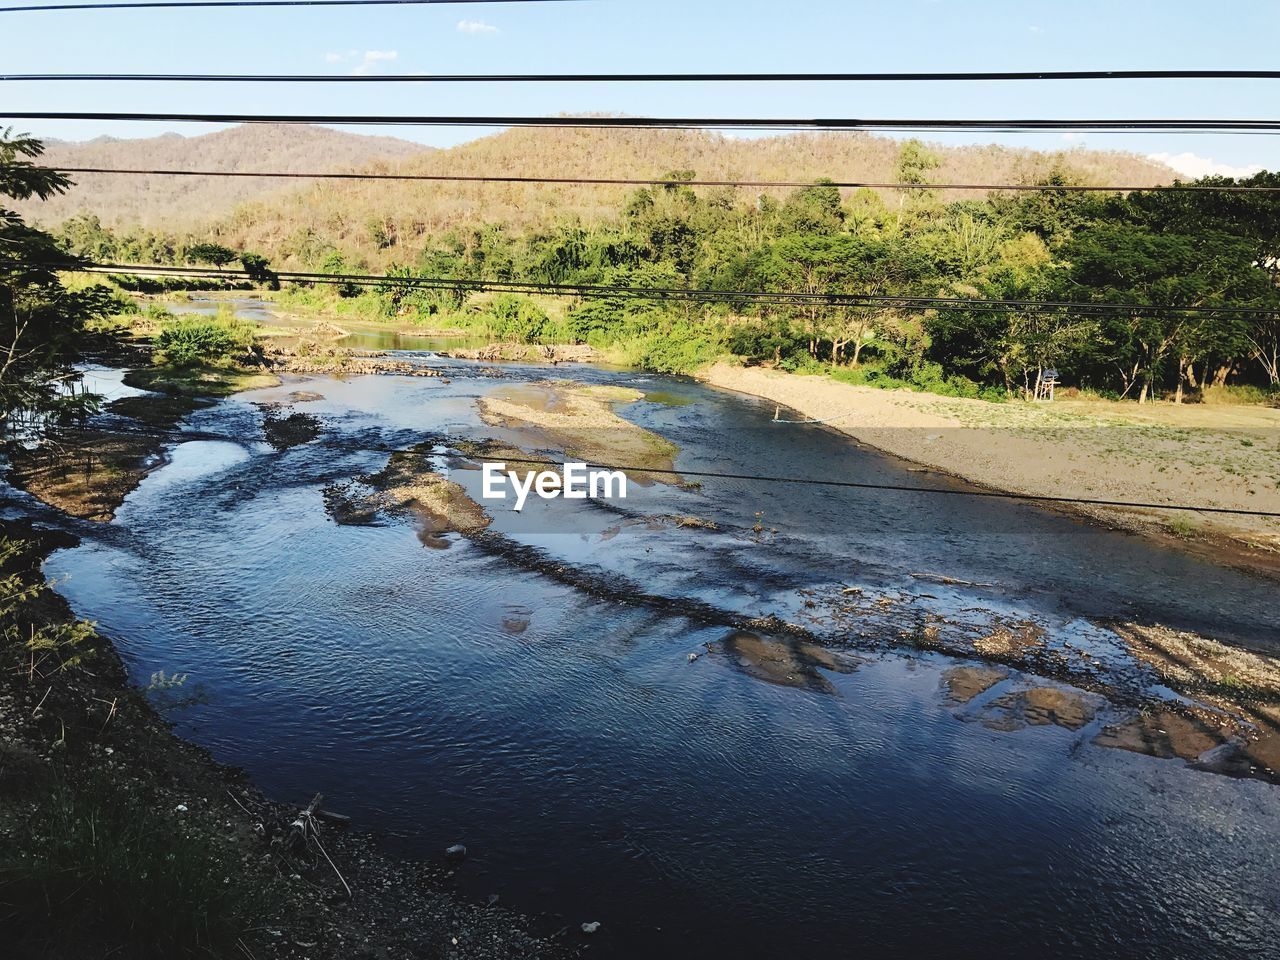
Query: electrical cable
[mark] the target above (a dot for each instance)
(185, 435)
(665, 293)
(172, 4)
(1247, 126)
(643, 182)
(649, 77)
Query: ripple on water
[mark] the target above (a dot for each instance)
(772, 799)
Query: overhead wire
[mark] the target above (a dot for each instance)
(178, 4)
(664, 293)
(832, 124)
(829, 77)
(187, 435)
(665, 181)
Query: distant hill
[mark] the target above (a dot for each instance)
(364, 216)
(178, 202)
(373, 219)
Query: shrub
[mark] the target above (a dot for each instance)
(679, 349)
(517, 319)
(190, 341)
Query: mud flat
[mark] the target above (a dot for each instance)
(408, 486)
(1159, 453)
(85, 473)
(1240, 682)
(581, 421)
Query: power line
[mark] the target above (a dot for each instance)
(1258, 126)
(648, 77)
(170, 4)
(689, 294)
(718, 475)
(656, 182)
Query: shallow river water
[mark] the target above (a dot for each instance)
(748, 803)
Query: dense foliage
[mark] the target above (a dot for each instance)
(1154, 250)
(192, 340)
(40, 319)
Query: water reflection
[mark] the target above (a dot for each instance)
(776, 797)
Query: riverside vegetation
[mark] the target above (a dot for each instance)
(86, 752)
(1174, 249)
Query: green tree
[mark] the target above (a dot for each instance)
(814, 209)
(842, 264)
(915, 162)
(1125, 262)
(214, 253)
(259, 270)
(40, 319)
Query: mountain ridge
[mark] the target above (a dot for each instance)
(372, 218)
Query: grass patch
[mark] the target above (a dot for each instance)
(105, 866)
(1240, 395)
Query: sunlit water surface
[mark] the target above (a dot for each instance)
(595, 773)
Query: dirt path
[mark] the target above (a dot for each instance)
(1158, 453)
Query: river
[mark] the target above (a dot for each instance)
(767, 798)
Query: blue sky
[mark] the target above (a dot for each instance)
(663, 35)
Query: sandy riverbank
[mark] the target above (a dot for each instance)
(1157, 453)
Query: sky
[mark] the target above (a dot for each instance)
(667, 36)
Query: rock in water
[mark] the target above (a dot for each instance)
(591, 927)
(456, 852)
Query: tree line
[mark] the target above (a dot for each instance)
(1153, 249)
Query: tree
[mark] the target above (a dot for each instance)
(214, 253)
(841, 265)
(1251, 217)
(915, 160)
(259, 269)
(814, 209)
(1124, 262)
(1024, 342)
(39, 317)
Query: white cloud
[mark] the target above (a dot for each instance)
(1035, 29)
(476, 26)
(1191, 165)
(364, 62)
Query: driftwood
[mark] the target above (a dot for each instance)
(304, 828)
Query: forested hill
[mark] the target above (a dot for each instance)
(371, 219)
(168, 202)
(361, 217)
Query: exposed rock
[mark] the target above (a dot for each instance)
(1010, 640)
(964, 683)
(1040, 706)
(785, 661)
(1164, 734)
